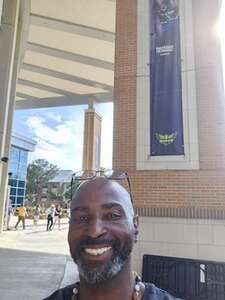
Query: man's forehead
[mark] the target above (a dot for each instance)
(100, 191)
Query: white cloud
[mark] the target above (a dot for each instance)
(61, 145)
(60, 136)
(54, 116)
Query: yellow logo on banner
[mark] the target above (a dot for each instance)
(166, 139)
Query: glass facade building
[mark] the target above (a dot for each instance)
(20, 148)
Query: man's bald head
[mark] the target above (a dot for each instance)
(103, 221)
(91, 189)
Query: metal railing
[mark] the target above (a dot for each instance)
(186, 278)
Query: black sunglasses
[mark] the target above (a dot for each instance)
(108, 174)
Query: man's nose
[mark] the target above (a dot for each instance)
(96, 228)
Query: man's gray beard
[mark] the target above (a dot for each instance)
(103, 272)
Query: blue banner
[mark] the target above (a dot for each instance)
(165, 79)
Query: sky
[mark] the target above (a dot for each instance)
(59, 134)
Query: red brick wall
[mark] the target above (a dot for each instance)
(124, 146)
(198, 193)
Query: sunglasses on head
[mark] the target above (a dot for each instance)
(108, 174)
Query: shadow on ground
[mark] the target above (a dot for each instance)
(29, 275)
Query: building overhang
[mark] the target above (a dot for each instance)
(67, 55)
(23, 142)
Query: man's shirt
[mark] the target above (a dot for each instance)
(151, 293)
(22, 211)
(154, 293)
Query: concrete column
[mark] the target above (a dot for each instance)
(1, 5)
(8, 75)
(92, 139)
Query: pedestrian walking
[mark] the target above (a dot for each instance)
(37, 212)
(22, 213)
(50, 216)
(8, 214)
(58, 216)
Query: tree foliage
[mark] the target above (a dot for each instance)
(39, 172)
(70, 191)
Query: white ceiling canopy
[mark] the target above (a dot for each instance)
(69, 55)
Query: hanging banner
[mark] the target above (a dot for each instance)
(165, 79)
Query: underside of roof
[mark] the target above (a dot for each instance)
(69, 54)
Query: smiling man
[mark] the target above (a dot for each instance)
(102, 232)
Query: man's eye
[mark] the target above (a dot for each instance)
(79, 220)
(114, 216)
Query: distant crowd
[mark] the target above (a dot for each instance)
(53, 215)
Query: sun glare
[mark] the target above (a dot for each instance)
(221, 23)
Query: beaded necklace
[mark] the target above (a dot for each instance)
(135, 295)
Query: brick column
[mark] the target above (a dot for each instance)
(92, 139)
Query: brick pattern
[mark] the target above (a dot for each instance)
(182, 212)
(124, 142)
(92, 131)
(198, 193)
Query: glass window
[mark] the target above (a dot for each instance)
(54, 190)
(19, 200)
(14, 168)
(18, 167)
(14, 155)
(22, 170)
(21, 184)
(22, 175)
(13, 191)
(21, 192)
(23, 157)
(14, 182)
(13, 199)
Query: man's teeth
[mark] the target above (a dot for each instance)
(98, 251)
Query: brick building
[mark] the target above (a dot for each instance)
(59, 185)
(180, 199)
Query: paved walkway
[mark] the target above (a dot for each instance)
(34, 262)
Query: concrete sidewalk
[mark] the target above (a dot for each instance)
(34, 262)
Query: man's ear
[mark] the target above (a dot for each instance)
(136, 221)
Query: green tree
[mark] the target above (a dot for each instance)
(39, 172)
(55, 196)
(69, 192)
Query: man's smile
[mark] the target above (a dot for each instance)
(97, 251)
(96, 254)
